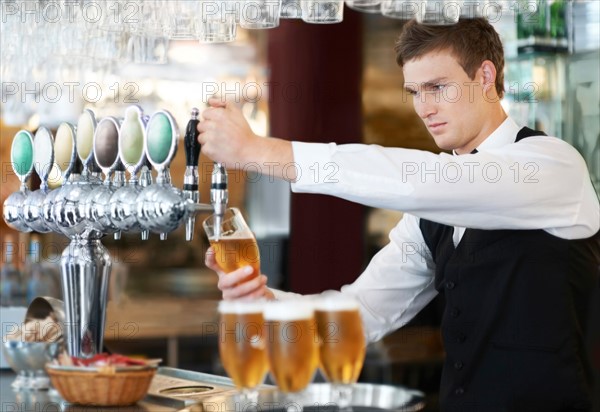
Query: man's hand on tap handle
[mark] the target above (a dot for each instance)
(226, 137)
(236, 285)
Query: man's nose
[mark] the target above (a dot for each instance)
(425, 105)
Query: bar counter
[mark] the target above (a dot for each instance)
(217, 394)
(50, 401)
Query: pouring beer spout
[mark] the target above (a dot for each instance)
(219, 195)
(190, 178)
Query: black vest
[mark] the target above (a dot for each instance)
(513, 325)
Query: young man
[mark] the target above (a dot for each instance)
(507, 227)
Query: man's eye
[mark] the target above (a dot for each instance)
(434, 88)
(412, 92)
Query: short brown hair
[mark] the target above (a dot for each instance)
(471, 41)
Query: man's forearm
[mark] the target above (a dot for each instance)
(274, 156)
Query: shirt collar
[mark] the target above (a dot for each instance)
(505, 134)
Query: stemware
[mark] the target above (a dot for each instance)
(342, 344)
(241, 347)
(234, 244)
(292, 346)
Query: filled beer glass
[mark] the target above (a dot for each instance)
(292, 345)
(241, 345)
(236, 246)
(342, 344)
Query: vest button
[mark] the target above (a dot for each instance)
(459, 391)
(458, 365)
(450, 285)
(454, 312)
(460, 338)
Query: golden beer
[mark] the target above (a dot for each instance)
(232, 253)
(342, 344)
(233, 242)
(292, 345)
(241, 343)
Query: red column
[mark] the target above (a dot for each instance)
(315, 73)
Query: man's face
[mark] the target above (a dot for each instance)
(451, 104)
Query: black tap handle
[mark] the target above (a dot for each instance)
(192, 146)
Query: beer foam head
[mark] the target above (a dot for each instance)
(337, 302)
(231, 235)
(241, 307)
(288, 310)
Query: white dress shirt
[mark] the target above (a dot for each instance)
(538, 183)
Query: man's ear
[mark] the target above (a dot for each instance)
(488, 72)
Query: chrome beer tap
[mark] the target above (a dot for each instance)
(190, 178)
(162, 207)
(85, 263)
(122, 204)
(21, 157)
(66, 210)
(86, 127)
(84, 208)
(91, 173)
(43, 158)
(106, 154)
(54, 180)
(219, 195)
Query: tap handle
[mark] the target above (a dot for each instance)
(192, 146)
(84, 137)
(21, 155)
(43, 154)
(106, 146)
(65, 149)
(162, 135)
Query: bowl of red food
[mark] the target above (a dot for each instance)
(103, 380)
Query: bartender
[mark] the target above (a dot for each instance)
(507, 227)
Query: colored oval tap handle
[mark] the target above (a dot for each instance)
(21, 154)
(162, 134)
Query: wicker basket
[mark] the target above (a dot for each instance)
(117, 388)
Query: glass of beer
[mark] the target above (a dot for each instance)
(241, 345)
(235, 246)
(292, 345)
(342, 344)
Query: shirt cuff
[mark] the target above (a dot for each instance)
(281, 295)
(310, 160)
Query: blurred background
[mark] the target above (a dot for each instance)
(299, 81)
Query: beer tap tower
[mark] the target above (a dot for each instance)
(86, 208)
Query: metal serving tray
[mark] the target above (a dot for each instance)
(317, 397)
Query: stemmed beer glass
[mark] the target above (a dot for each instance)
(241, 345)
(292, 346)
(342, 344)
(236, 245)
